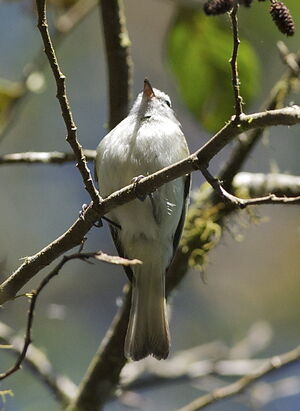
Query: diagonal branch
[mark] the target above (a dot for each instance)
(201, 158)
(240, 385)
(259, 184)
(64, 102)
(235, 201)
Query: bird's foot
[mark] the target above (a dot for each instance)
(81, 215)
(135, 181)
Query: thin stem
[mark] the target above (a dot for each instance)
(241, 202)
(233, 62)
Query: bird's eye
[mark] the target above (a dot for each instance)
(168, 102)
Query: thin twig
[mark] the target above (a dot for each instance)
(33, 295)
(246, 143)
(64, 102)
(241, 202)
(238, 386)
(74, 235)
(38, 364)
(28, 334)
(119, 59)
(233, 62)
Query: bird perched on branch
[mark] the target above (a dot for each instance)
(148, 228)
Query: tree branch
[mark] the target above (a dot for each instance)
(233, 61)
(240, 385)
(64, 102)
(248, 141)
(259, 184)
(201, 158)
(50, 157)
(119, 60)
(242, 203)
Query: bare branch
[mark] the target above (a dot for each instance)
(54, 157)
(233, 61)
(242, 203)
(119, 60)
(37, 362)
(259, 184)
(64, 102)
(240, 385)
(28, 334)
(246, 143)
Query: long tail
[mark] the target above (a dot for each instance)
(148, 330)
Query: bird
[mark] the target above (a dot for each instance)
(149, 227)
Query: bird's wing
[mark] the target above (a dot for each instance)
(177, 235)
(115, 235)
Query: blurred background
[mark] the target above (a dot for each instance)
(252, 279)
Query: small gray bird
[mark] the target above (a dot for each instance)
(147, 140)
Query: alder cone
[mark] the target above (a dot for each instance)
(282, 18)
(214, 7)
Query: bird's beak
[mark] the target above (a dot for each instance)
(148, 92)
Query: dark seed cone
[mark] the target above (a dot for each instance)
(282, 18)
(214, 7)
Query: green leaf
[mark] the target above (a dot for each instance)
(199, 49)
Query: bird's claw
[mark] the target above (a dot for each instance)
(84, 207)
(135, 181)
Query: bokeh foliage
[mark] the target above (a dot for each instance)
(199, 48)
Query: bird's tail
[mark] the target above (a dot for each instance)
(148, 330)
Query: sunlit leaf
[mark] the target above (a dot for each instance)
(199, 49)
